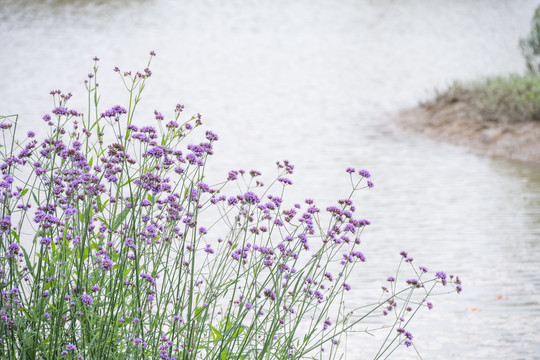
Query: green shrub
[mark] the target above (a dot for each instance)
(530, 46)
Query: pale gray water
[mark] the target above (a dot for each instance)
(316, 82)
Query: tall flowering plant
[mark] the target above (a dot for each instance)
(113, 247)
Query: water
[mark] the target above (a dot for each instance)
(317, 82)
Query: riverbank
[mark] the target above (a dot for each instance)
(499, 117)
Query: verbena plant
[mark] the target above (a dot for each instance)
(105, 254)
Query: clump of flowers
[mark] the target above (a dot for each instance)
(114, 247)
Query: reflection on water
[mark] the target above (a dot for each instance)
(317, 82)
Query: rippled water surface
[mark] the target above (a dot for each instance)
(317, 82)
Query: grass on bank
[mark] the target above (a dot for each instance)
(507, 99)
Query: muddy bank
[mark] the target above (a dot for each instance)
(462, 124)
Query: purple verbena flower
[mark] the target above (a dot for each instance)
(211, 136)
(146, 202)
(441, 275)
(285, 181)
(364, 173)
(115, 111)
(204, 187)
(158, 115)
(87, 299)
(251, 197)
(327, 323)
(5, 223)
(270, 294)
(106, 264)
(60, 110)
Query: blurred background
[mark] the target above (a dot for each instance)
(318, 83)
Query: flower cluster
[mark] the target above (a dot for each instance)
(125, 258)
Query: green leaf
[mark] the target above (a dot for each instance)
(216, 335)
(127, 182)
(238, 332)
(28, 262)
(99, 204)
(35, 198)
(103, 221)
(123, 215)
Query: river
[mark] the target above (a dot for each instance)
(318, 82)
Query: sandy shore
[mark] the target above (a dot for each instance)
(460, 124)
